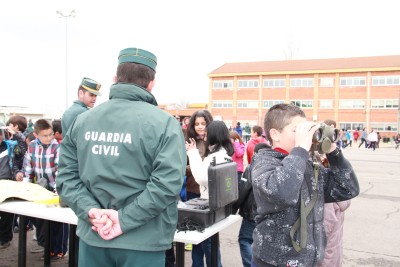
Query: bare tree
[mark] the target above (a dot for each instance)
(291, 50)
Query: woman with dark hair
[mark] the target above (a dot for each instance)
(196, 129)
(221, 149)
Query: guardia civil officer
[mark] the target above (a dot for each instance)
(87, 95)
(88, 91)
(121, 169)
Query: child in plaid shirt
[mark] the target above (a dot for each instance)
(40, 165)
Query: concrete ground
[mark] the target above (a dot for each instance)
(371, 228)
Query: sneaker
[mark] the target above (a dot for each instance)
(16, 229)
(37, 249)
(4, 244)
(188, 247)
(54, 257)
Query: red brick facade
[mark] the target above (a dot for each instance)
(352, 106)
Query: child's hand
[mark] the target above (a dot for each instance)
(19, 177)
(304, 134)
(10, 130)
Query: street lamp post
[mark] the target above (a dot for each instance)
(71, 14)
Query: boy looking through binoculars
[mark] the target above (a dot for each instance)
(290, 190)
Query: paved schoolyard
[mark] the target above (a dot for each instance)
(372, 223)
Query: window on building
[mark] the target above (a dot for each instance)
(222, 104)
(345, 125)
(326, 82)
(351, 125)
(377, 103)
(385, 80)
(248, 83)
(352, 81)
(351, 103)
(385, 103)
(302, 82)
(392, 103)
(384, 126)
(326, 103)
(222, 84)
(270, 103)
(247, 104)
(274, 83)
(302, 103)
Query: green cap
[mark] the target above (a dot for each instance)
(136, 55)
(91, 85)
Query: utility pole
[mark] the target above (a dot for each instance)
(71, 14)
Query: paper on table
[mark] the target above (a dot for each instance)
(27, 191)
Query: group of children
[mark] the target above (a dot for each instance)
(284, 187)
(285, 190)
(32, 155)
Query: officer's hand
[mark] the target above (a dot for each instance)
(97, 218)
(112, 228)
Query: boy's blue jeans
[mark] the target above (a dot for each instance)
(201, 250)
(246, 240)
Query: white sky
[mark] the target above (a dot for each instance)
(189, 38)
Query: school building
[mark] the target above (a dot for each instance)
(355, 92)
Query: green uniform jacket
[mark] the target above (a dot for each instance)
(70, 115)
(126, 154)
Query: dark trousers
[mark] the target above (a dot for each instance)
(372, 145)
(40, 231)
(197, 250)
(347, 144)
(59, 237)
(362, 142)
(6, 224)
(246, 240)
(29, 220)
(202, 250)
(170, 257)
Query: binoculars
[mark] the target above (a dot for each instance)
(323, 138)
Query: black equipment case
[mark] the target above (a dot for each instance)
(222, 189)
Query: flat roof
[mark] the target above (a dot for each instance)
(309, 66)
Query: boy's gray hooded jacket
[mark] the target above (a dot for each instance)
(279, 182)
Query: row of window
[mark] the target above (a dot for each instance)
(307, 103)
(309, 82)
(378, 126)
